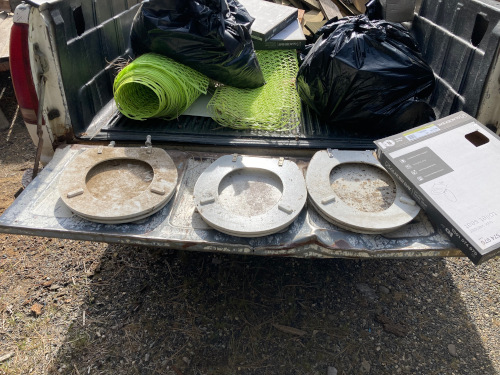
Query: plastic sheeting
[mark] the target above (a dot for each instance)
(366, 75)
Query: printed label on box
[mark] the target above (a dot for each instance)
(424, 165)
(421, 132)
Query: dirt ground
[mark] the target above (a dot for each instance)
(73, 307)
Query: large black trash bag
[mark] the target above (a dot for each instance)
(374, 10)
(210, 36)
(366, 76)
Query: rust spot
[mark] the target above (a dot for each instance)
(67, 137)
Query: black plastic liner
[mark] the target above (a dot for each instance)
(374, 10)
(210, 36)
(367, 76)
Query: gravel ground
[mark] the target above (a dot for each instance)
(72, 307)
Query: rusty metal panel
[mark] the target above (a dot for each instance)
(40, 211)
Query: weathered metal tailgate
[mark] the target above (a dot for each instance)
(39, 211)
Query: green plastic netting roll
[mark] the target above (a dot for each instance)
(156, 86)
(272, 107)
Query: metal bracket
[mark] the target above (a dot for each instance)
(330, 152)
(235, 157)
(281, 161)
(149, 145)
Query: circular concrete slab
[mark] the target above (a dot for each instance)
(118, 185)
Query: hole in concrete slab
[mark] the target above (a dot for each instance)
(119, 179)
(362, 186)
(250, 191)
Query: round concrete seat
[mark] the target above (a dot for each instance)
(114, 185)
(250, 196)
(331, 206)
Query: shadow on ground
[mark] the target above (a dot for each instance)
(157, 312)
(16, 142)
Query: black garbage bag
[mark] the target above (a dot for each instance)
(374, 10)
(366, 76)
(408, 114)
(210, 36)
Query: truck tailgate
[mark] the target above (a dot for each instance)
(40, 211)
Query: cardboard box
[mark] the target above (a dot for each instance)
(270, 18)
(291, 37)
(451, 167)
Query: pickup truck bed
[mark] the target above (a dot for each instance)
(82, 39)
(458, 39)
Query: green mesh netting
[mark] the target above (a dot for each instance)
(272, 107)
(156, 86)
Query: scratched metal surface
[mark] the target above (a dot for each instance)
(40, 211)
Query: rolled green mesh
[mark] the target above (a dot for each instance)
(272, 107)
(156, 86)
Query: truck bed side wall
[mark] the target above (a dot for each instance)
(90, 36)
(459, 39)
